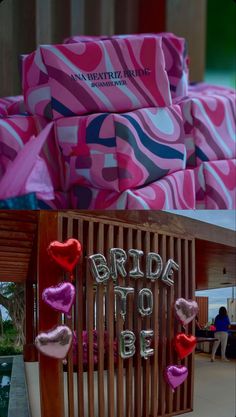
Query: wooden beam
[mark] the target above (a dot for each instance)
(50, 370)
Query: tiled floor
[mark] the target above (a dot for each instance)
(214, 388)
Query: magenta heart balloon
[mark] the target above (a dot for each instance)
(55, 343)
(185, 310)
(61, 297)
(175, 375)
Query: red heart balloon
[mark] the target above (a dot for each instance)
(184, 344)
(65, 254)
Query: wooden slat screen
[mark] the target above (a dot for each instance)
(132, 387)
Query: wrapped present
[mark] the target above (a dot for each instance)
(122, 151)
(15, 132)
(12, 106)
(113, 75)
(175, 191)
(216, 185)
(210, 127)
(220, 184)
(175, 56)
(28, 173)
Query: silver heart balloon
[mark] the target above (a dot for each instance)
(186, 310)
(55, 343)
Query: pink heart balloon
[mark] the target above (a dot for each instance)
(175, 375)
(55, 343)
(186, 310)
(61, 297)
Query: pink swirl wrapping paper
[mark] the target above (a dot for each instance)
(209, 114)
(175, 56)
(13, 105)
(122, 151)
(216, 185)
(175, 191)
(113, 75)
(16, 132)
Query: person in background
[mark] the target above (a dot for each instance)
(222, 325)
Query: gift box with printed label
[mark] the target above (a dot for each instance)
(113, 75)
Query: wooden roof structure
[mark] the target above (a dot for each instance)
(215, 246)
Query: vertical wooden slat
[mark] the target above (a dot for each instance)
(79, 314)
(177, 327)
(52, 20)
(146, 325)
(77, 15)
(110, 329)
(203, 310)
(50, 370)
(170, 324)
(162, 343)
(90, 323)
(126, 22)
(68, 322)
(17, 21)
(129, 325)
(192, 287)
(137, 328)
(119, 328)
(155, 327)
(100, 328)
(188, 19)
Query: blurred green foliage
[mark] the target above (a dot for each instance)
(221, 35)
(7, 341)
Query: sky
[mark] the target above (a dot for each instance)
(223, 218)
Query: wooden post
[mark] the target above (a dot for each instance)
(53, 20)
(30, 351)
(50, 370)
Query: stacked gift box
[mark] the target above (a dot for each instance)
(111, 123)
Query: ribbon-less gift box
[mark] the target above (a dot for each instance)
(175, 56)
(122, 151)
(210, 124)
(113, 75)
(175, 191)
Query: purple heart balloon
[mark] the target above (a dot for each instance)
(55, 343)
(186, 310)
(61, 297)
(175, 375)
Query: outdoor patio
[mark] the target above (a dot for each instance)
(214, 388)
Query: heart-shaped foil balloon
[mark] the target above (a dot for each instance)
(61, 297)
(55, 343)
(185, 310)
(184, 344)
(175, 375)
(65, 254)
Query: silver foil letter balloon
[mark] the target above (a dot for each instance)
(127, 344)
(118, 259)
(153, 258)
(136, 272)
(123, 293)
(145, 342)
(168, 272)
(99, 268)
(145, 302)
